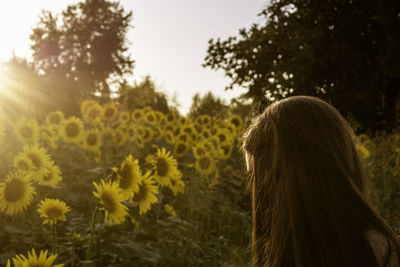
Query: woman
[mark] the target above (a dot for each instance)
(309, 195)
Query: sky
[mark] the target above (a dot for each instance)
(168, 39)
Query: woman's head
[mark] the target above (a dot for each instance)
(308, 186)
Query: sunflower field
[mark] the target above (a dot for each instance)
(116, 187)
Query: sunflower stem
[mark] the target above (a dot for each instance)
(54, 233)
(93, 222)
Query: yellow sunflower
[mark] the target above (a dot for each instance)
(129, 176)
(199, 150)
(119, 137)
(53, 210)
(146, 194)
(110, 197)
(86, 104)
(183, 120)
(184, 137)
(148, 134)
(224, 136)
(27, 130)
(171, 117)
(40, 159)
(137, 115)
(55, 117)
(52, 177)
(93, 113)
(177, 186)
(23, 163)
(169, 127)
(181, 148)
(206, 119)
(34, 260)
(110, 112)
(236, 121)
(225, 151)
(47, 136)
(205, 164)
(72, 130)
(92, 140)
(170, 210)
(16, 193)
(169, 137)
(165, 167)
(124, 117)
(131, 132)
(150, 118)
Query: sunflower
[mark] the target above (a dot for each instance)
(199, 150)
(205, 164)
(23, 163)
(225, 151)
(150, 118)
(53, 176)
(27, 130)
(124, 117)
(129, 176)
(40, 159)
(137, 115)
(72, 130)
(181, 148)
(184, 137)
(47, 136)
(86, 104)
(35, 261)
(119, 137)
(206, 120)
(169, 137)
(224, 136)
(165, 167)
(236, 121)
(139, 142)
(146, 194)
(169, 127)
(55, 117)
(231, 128)
(16, 193)
(183, 120)
(177, 186)
(92, 140)
(53, 210)
(170, 210)
(93, 113)
(110, 197)
(206, 134)
(148, 134)
(171, 117)
(110, 112)
(131, 132)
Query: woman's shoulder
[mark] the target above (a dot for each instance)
(385, 253)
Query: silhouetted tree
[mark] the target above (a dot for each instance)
(142, 94)
(208, 104)
(345, 51)
(78, 51)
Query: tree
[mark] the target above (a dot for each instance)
(208, 104)
(142, 94)
(78, 51)
(344, 51)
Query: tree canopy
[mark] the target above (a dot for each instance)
(344, 51)
(80, 50)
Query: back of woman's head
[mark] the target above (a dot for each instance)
(309, 192)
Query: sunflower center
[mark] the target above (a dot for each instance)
(22, 165)
(15, 190)
(126, 175)
(181, 148)
(55, 119)
(236, 122)
(150, 118)
(72, 129)
(91, 139)
(137, 115)
(35, 160)
(204, 163)
(54, 213)
(200, 151)
(141, 195)
(26, 132)
(162, 167)
(222, 137)
(109, 203)
(109, 112)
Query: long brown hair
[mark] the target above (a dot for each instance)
(309, 193)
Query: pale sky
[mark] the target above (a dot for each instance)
(168, 40)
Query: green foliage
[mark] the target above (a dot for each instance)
(78, 51)
(142, 94)
(208, 104)
(343, 51)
